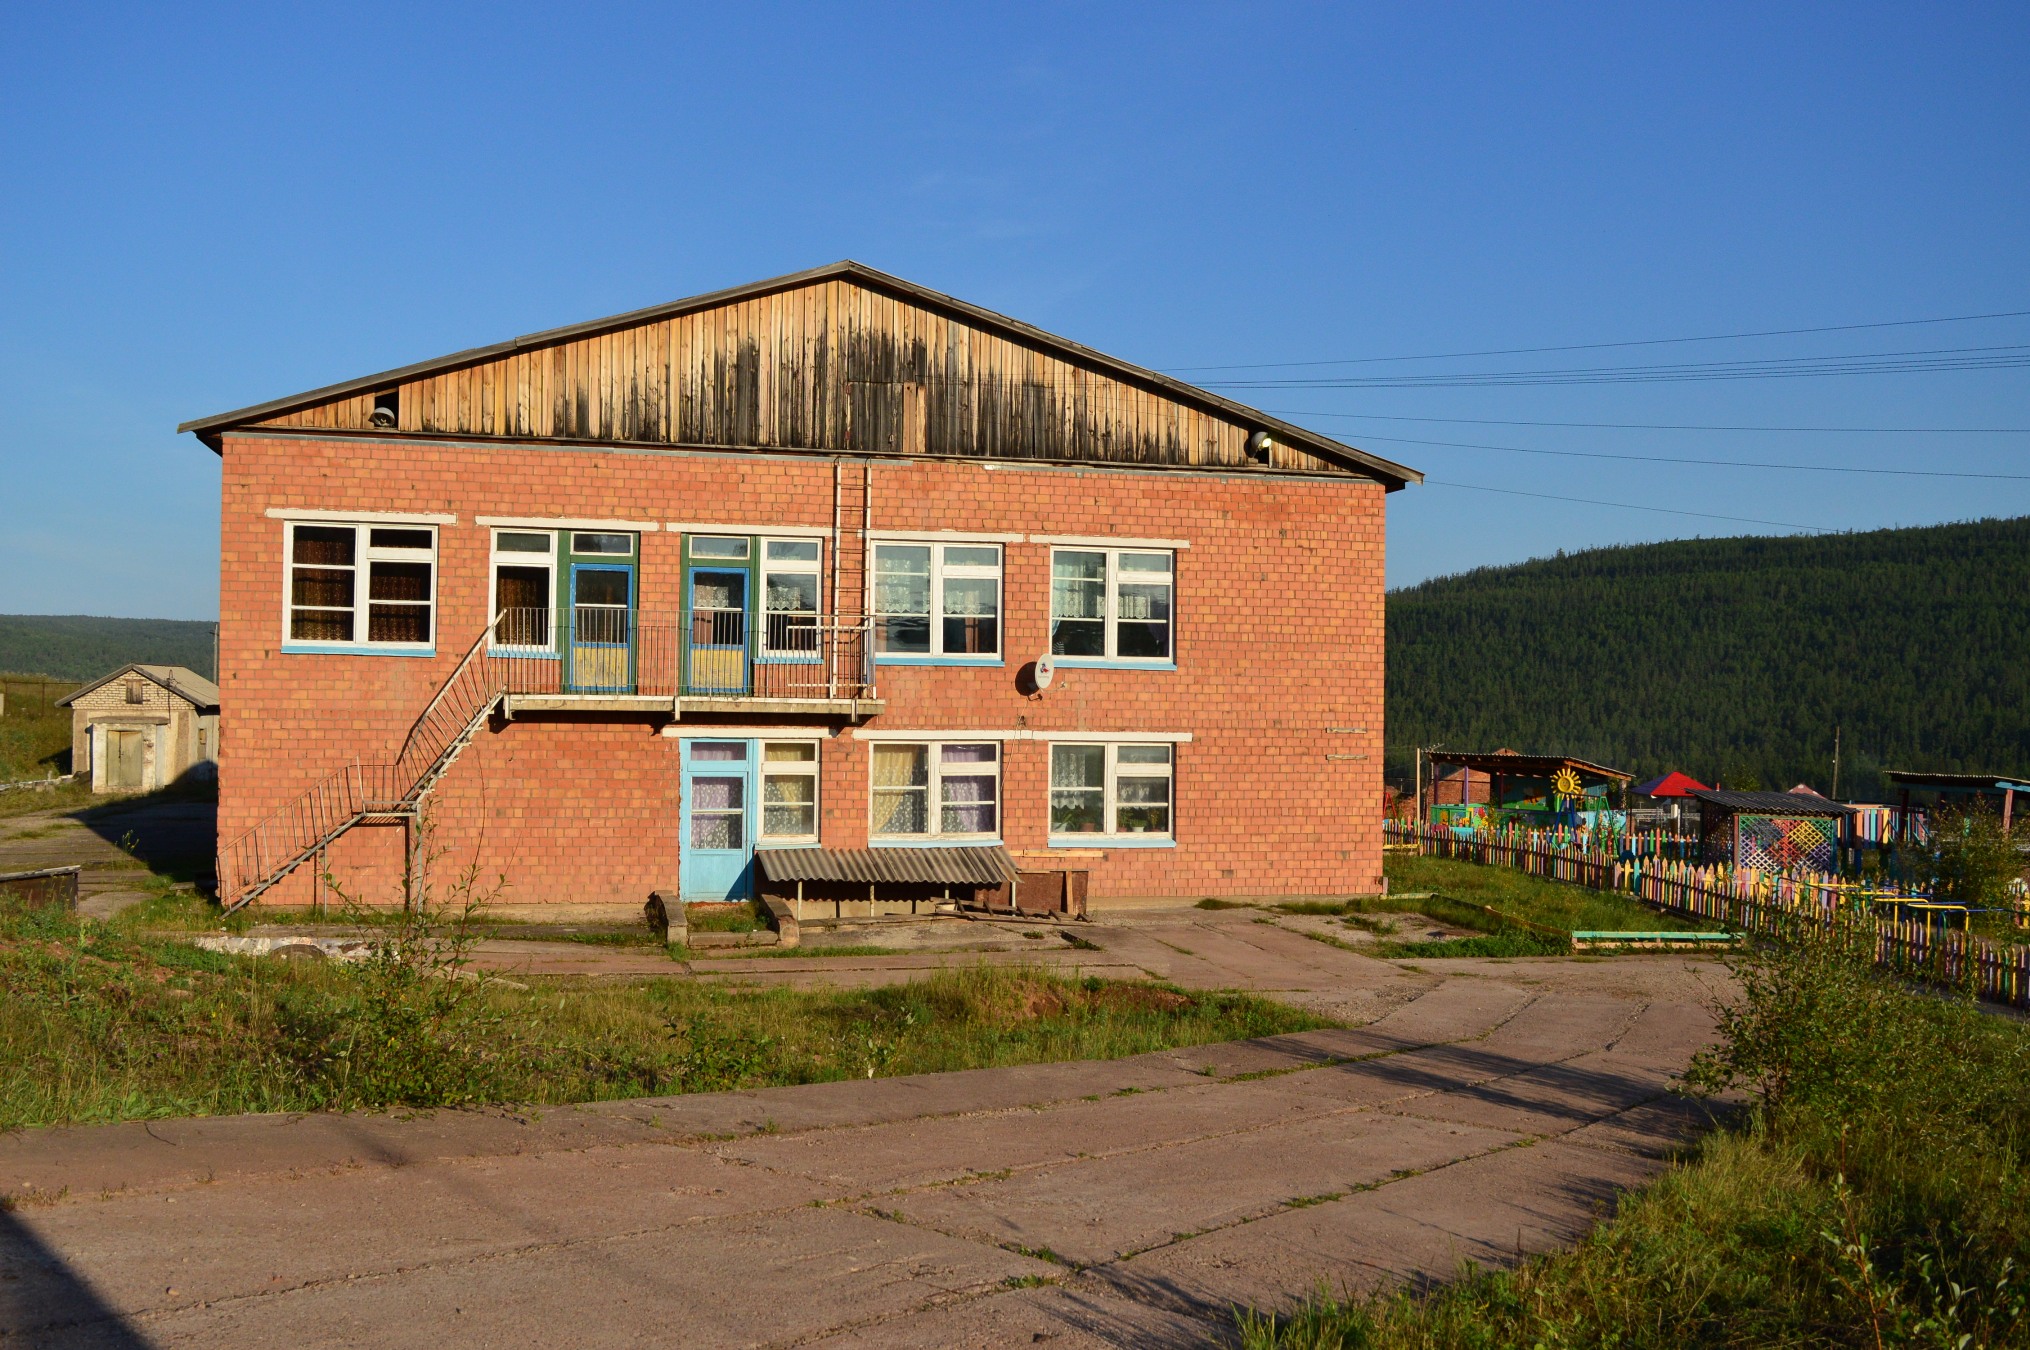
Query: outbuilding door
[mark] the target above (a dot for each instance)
(123, 759)
(716, 860)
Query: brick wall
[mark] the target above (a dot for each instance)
(1278, 638)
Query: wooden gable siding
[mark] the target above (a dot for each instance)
(828, 366)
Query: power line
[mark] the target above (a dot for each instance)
(1654, 426)
(1630, 506)
(1872, 363)
(1719, 463)
(1598, 346)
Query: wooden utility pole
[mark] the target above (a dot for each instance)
(1836, 763)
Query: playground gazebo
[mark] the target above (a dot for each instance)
(1998, 790)
(1538, 791)
(1771, 831)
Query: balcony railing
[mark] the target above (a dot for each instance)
(595, 651)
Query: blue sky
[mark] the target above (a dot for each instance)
(212, 206)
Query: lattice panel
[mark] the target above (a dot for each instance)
(1784, 843)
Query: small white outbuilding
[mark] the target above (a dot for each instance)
(144, 727)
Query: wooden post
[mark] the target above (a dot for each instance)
(2008, 807)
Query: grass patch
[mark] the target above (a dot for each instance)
(102, 1023)
(1210, 903)
(1877, 1194)
(1556, 905)
(68, 794)
(1487, 944)
(744, 917)
(795, 953)
(35, 734)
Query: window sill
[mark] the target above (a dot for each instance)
(885, 659)
(936, 841)
(522, 653)
(351, 649)
(1104, 841)
(1103, 663)
(783, 659)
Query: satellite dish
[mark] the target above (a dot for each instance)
(1043, 672)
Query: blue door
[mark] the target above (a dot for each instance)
(719, 636)
(717, 857)
(600, 654)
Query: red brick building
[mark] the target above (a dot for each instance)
(825, 561)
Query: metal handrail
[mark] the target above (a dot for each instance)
(655, 658)
(705, 654)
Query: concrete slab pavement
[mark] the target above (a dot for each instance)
(1483, 1111)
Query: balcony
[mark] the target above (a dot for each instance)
(597, 658)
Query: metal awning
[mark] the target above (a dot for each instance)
(952, 866)
(1959, 782)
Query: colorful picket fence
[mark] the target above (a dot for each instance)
(1751, 901)
(1642, 841)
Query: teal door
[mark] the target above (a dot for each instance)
(599, 657)
(716, 860)
(717, 659)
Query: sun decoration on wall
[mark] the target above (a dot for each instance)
(1565, 783)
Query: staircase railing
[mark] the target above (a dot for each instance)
(793, 656)
(362, 790)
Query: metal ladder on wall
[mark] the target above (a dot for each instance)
(852, 519)
(360, 792)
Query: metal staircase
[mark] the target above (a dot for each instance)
(525, 665)
(364, 792)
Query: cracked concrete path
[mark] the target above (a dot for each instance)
(1490, 1110)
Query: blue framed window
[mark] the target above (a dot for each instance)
(1112, 606)
(937, 604)
(791, 581)
(935, 790)
(1112, 793)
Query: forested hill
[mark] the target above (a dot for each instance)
(80, 646)
(1732, 657)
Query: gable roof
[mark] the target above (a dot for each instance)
(182, 681)
(1672, 784)
(1390, 473)
(1772, 803)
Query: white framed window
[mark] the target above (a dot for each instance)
(790, 584)
(789, 792)
(937, 600)
(523, 600)
(1111, 604)
(373, 587)
(936, 790)
(1116, 790)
